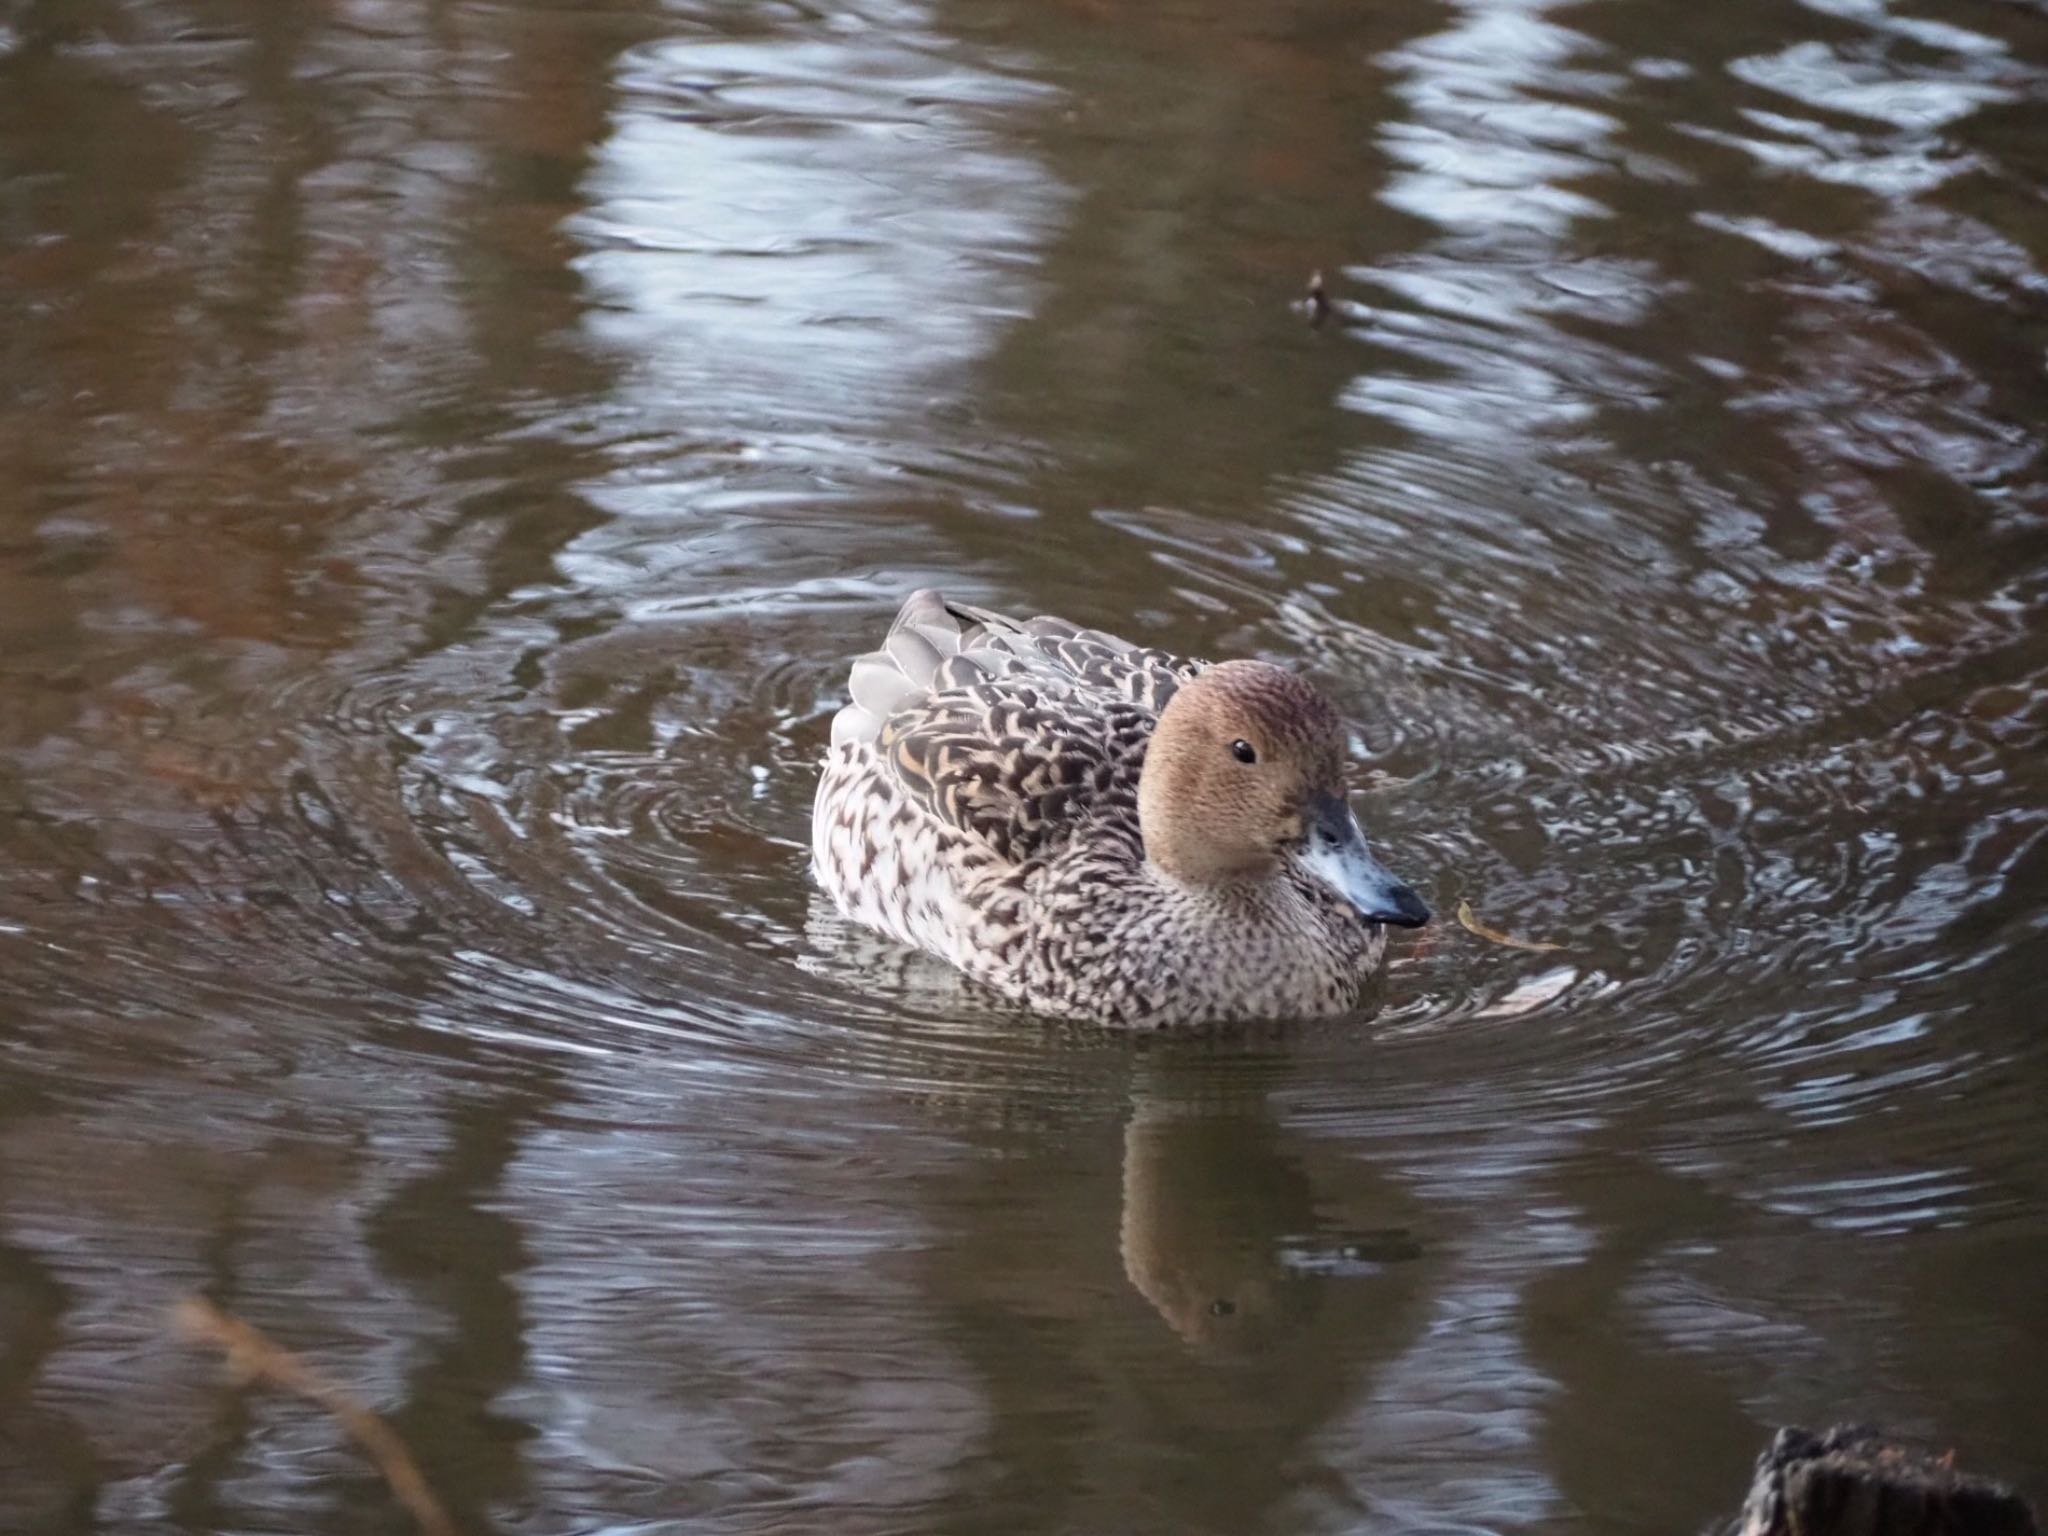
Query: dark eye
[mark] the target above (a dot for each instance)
(1222, 1307)
(1242, 751)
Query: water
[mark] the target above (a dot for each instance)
(447, 456)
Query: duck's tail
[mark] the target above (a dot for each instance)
(925, 635)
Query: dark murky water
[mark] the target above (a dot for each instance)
(447, 454)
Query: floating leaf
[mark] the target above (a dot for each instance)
(1495, 936)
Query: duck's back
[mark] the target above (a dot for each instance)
(975, 748)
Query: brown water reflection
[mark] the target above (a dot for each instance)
(446, 452)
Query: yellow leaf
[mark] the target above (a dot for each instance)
(1496, 936)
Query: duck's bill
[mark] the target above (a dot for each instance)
(1336, 855)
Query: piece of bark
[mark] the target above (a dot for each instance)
(1854, 1481)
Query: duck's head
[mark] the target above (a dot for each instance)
(1245, 773)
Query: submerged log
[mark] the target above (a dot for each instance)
(1854, 1481)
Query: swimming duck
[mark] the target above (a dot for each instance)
(1101, 830)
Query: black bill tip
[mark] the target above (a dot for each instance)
(1402, 909)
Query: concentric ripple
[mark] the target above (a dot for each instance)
(450, 460)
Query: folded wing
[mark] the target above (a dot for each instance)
(1009, 731)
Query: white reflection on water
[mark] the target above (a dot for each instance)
(795, 243)
(1819, 76)
(1494, 158)
(1934, 34)
(1912, 99)
(1484, 152)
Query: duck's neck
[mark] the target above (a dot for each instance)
(1266, 899)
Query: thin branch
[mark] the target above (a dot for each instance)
(253, 1358)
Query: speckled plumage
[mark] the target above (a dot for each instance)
(981, 802)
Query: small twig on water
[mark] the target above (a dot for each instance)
(1495, 936)
(1318, 301)
(252, 1358)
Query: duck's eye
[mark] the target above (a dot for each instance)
(1242, 751)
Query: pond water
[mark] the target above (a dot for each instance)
(448, 454)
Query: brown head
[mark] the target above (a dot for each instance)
(1245, 772)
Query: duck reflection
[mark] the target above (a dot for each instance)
(1222, 1235)
(1172, 1313)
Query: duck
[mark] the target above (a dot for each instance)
(1099, 830)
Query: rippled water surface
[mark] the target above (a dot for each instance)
(448, 453)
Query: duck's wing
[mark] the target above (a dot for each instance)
(1090, 660)
(935, 645)
(1010, 731)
